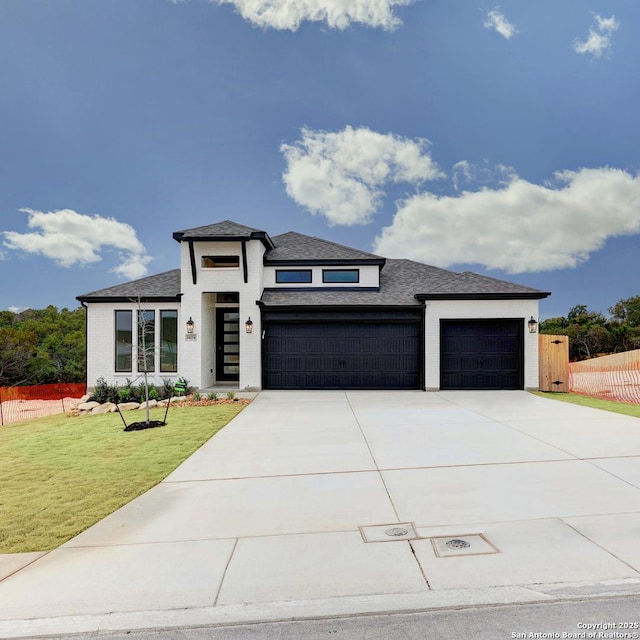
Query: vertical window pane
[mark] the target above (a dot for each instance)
(169, 340)
(146, 340)
(124, 340)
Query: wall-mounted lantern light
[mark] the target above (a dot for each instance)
(533, 325)
(190, 325)
(248, 325)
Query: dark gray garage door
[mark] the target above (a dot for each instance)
(481, 354)
(344, 355)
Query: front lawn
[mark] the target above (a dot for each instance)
(595, 403)
(60, 475)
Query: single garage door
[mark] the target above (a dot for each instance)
(341, 355)
(481, 354)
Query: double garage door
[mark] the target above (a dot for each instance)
(377, 354)
(351, 354)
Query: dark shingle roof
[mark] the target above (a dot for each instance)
(299, 248)
(400, 282)
(219, 229)
(227, 229)
(161, 286)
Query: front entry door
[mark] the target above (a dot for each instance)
(227, 344)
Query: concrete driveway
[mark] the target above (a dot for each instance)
(329, 503)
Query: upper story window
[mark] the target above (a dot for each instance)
(219, 262)
(297, 276)
(223, 298)
(341, 275)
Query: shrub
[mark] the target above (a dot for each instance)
(212, 396)
(153, 393)
(124, 394)
(231, 395)
(139, 392)
(166, 391)
(105, 392)
(195, 396)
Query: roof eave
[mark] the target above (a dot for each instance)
(132, 299)
(533, 295)
(319, 262)
(333, 307)
(262, 236)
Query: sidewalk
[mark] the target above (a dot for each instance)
(286, 513)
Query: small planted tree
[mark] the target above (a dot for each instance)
(146, 363)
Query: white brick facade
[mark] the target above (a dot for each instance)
(478, 309)
(101, 342)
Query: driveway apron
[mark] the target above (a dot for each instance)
(317, 496)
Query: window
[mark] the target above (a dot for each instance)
(341, 275)
(227, 297)
(124, 340)
(219, 262)
(168, 340)
(298, 276)
(146, 340)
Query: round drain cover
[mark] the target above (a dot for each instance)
(397, 531)
(457, 544)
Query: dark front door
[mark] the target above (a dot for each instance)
(342, 355)
(227, 344)
(482, 354)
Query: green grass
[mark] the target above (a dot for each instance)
(595, 403)
(60, 475)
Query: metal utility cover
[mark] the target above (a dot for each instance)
(389, 532)
(470, 544)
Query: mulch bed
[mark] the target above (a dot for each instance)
(204, 402)
(139, 426)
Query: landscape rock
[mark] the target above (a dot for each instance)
(128, 406)
(151, 403)
(87, 406)
(107, 407)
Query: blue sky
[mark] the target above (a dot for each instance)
(498, 138)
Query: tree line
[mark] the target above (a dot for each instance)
(592, 334)
(42, 346)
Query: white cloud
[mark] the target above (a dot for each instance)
(338, 14)
(598, 41)
(466, 174)
(17, 309)
(73, 238)
(496, 21)
(341, 175)
(520, 227)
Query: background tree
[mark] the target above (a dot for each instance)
(17, 352)
(591, 333)
(41, 346)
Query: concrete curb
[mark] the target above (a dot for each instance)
(231, 615)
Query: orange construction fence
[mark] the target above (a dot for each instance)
(615, 377)
(36, 401)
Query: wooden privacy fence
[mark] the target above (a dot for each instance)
(614, 377)
(553, 363)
